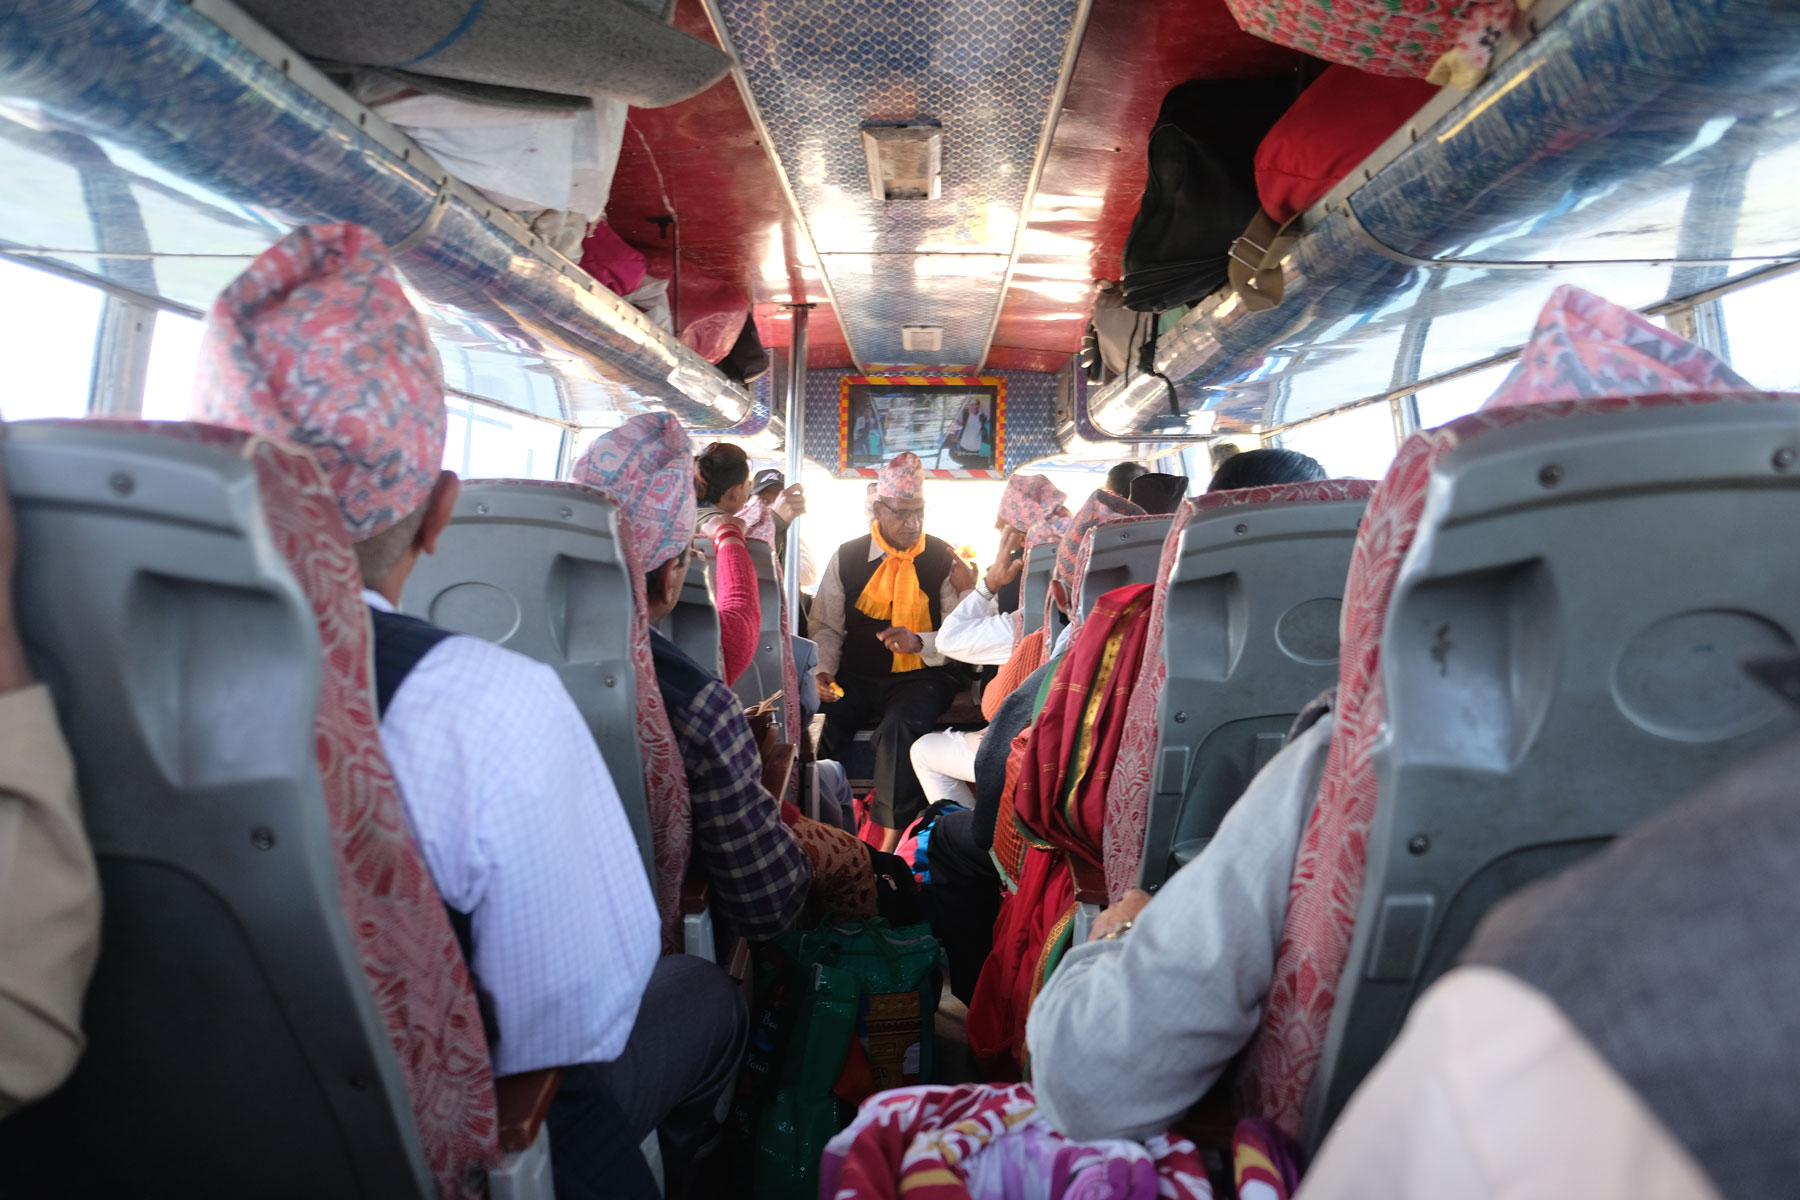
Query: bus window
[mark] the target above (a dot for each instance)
(1358, 444)
(1759, 324)
(483, 442)
(174, 353)
(47, 329)
(1447, 401)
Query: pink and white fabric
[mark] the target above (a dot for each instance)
(1128, 793)
(759, 523)
(655, 501)
(647, 466)
(415, 971)
(990, 1142)
(316, 344)
(1101, 508)
(1031, 504)
(902, 478)
(1585, 346)
(1329, 870)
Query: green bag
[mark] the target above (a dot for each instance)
(816, 990)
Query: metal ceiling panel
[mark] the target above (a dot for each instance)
(990, 72)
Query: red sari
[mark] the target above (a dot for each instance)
(1057, 810)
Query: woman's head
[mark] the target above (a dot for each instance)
(722, 477)
(1265, 468)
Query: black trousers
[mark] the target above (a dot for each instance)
(901, 707)
(687, 1043)
(962, 900)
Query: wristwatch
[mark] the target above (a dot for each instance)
(981, 589)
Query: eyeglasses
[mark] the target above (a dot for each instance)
(903, 516)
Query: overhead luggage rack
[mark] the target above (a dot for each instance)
(1638, 148)
(156, 147)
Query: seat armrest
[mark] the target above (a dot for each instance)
(696, 893)
(1090, 882)
(524, 1103)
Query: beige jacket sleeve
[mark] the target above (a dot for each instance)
(1491, 1094)
(49, 902)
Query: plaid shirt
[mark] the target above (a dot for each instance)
(759, 872)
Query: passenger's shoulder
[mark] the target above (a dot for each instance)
(487, 676)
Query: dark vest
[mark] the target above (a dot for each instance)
(863, 654)
(401, 643)
(1673, 953)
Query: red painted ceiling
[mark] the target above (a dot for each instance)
(702, 161)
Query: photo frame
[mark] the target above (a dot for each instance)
(956, 424)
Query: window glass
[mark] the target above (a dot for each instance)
(48, 326)
(1759, 332)
(483, 442)
(1444, 402)
(1358, 444)
(174, 353)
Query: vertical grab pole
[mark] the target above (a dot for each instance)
(796, 429)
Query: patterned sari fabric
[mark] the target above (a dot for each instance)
(1128, 795)
(1058, 810)
(843, 882)
(1329, 870)
(416, 973)
(978, 1142)
(1443, 41)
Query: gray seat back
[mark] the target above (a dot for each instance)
(1121, 553)
(694, 623)
(1561, 660)
(233, 1046)
(1034, 583)
(764, 677)
(537, 567)
(1250, 634)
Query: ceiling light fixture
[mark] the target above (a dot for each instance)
(906, 160)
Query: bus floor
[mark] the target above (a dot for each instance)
(953, 1062)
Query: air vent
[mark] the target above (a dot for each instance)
(922, 337)
(905, 161)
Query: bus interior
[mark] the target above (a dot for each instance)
(1012, 237)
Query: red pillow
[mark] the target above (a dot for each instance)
(1333, 126)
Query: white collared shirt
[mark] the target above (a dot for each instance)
(522, 828)
(977, 632)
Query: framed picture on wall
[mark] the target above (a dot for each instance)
(956, 424)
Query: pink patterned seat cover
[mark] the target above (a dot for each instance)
(416, 972)
(759, 523)
(1444, 41)
(1329, 870)
(1128, 794)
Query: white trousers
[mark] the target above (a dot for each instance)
(944, 761)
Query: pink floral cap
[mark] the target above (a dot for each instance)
(1032, 504)
(902, 479)
(316, 344)
(1101, 508)
(1586, 347)
(646, 466)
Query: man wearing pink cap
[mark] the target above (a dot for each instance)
(881, 599)
(514, 811)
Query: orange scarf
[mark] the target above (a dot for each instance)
(893, 595)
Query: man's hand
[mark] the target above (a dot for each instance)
(790, 504)
(717, 521)
(828, 686)
(962, 575)
(901, 640)
(1116, 916)
(1005, 568)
